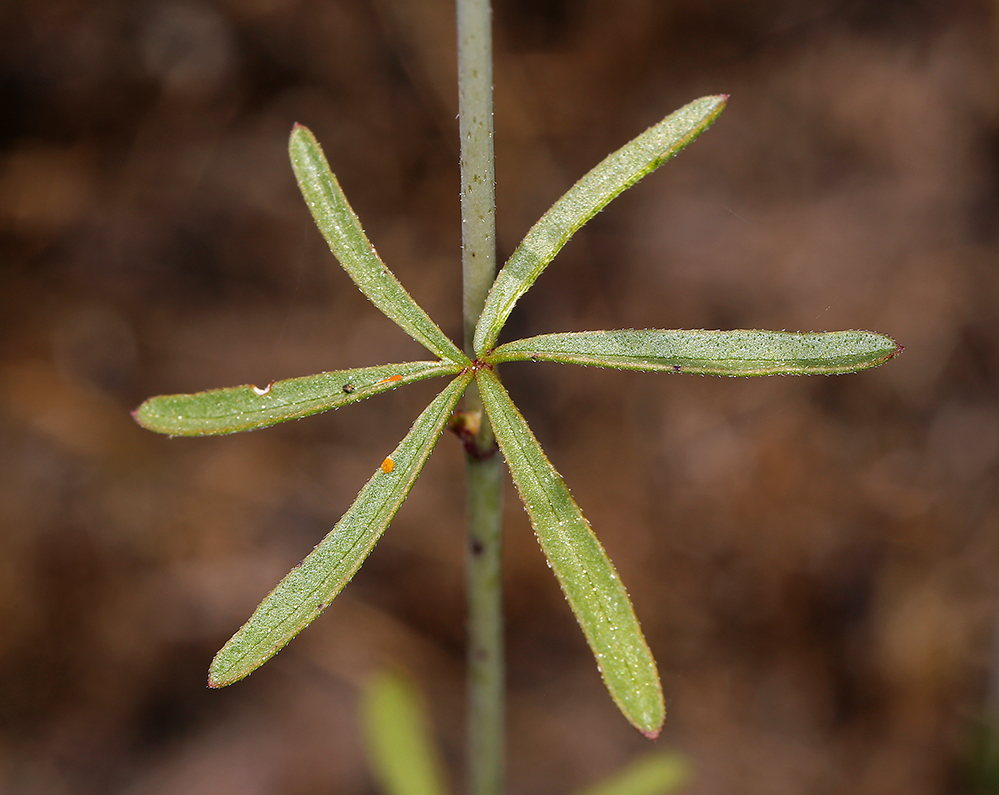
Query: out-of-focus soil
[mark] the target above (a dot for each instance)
(815, 561)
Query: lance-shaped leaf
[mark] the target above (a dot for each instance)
(742, 352)
(244, 408)
(588, 578)
(614, 174)
(312, 584)
(398, 738)
(342, 230)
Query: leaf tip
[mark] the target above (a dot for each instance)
(652, 734)
(893, 347)
(651, 724)
(218, 676)
(215, 682)
(722, 102)
(297, 131)
(139, 415)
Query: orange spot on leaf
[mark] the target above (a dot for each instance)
(388, 465)
(389, 380)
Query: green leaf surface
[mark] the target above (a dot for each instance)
(734, 353)
(312, 584)
(342, 230)
(588, 579)
(244, 408)
(657, 774)
(614, 174)
(398, 739)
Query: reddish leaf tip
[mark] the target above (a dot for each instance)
(653, 734)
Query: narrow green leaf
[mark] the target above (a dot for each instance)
(657, 774)
(244, 408)
(588, 579)
(398, 738)
(312, 584)
(342, 230)
(614, 174)
(742, 352)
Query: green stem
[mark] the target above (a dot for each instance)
(478, 178)
(486, 719)
(486, 713)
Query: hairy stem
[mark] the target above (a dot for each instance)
(486, 721)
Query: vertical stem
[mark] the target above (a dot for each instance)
(478, 179)
(486, 717)
(486, 714)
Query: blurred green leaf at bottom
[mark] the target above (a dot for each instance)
(658, 774)
(398, 738)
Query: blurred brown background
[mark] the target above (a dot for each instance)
(815, 561)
